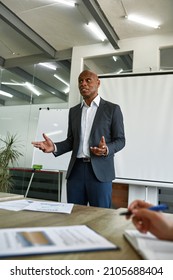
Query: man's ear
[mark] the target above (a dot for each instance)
(98, 81)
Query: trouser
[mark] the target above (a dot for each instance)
(83, 187)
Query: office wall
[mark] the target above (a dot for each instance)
(146, 57)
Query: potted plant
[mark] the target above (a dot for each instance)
(9, 154)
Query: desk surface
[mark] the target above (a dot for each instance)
(107, 222)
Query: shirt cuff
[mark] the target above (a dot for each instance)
(107, 152)
(55, 150)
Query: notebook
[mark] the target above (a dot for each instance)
(148, 246)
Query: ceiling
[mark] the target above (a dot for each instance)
(33, 31)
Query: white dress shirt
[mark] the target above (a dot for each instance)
(88, 114)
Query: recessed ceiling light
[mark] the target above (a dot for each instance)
(66, 2)
(143, 21)
(48, 65)
(97, 32)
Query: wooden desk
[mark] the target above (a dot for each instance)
(107, 222)
(10, 196)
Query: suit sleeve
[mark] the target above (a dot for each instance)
(117, 132)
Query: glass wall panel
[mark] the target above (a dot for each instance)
(23, 92)
(110, 64)
(166, 59)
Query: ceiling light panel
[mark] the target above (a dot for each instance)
(66, 2)
(143, 21)
(5, 94)
(96, 31)
(48, 65)
(60, 79)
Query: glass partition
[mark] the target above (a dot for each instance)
(110, 64)
(166, 59)
(23, 92)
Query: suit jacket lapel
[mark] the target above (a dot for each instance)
(78, 123)
(98, 115)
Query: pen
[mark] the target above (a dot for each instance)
(160, 207)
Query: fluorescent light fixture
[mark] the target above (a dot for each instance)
(120, 71)
(143, 21)
(66, 2)
(13, 84)
(59, 78)
(6, 94)
(32, 88)
(97, 32)
(48, 65)
(114, 58)
(67, 90)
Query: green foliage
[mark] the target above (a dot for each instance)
(9, 154)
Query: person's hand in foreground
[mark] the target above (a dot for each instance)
(145, 220)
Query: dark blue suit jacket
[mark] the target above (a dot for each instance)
(108, 122)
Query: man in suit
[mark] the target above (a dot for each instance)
(95, 134)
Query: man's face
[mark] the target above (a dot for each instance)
(88, 85)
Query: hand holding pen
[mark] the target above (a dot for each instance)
(137, 204)
(149, 218)
(160, 207)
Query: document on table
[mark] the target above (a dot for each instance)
(50, 207)
(150, 247)
(43, 240)
(42, 206)
(14, 205)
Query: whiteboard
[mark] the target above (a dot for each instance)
(146, 103)
(54, 123)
